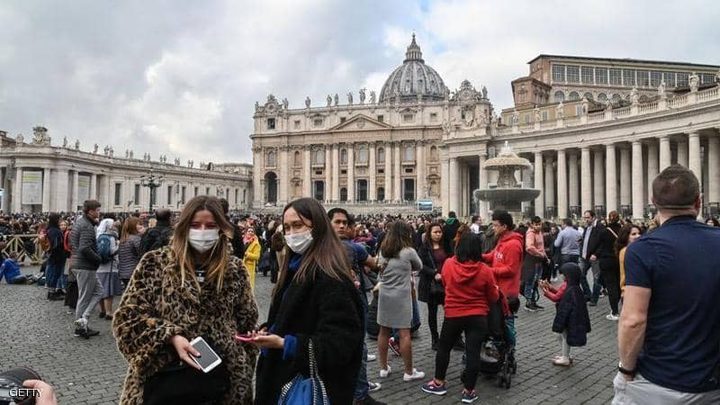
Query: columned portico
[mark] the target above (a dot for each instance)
(397, 182)
(562, 205)
(638, 188)
(372, 183)
(351, 172)
(586, 181)
(713, 191)
(388, 172)
(573, 180)
(453, 183)
(329, 181)
(610, 178)
(46, 190)
(540, 200)
(599, 179)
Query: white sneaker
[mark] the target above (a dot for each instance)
(416, 375)
(384, 373)
(562, 361)
(81, 323)
(611, 317)
(373, 386)
(371, 357)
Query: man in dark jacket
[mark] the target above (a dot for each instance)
(85, 262)
(449, 231)
(159, 235)
(56, 258)
(590, 246)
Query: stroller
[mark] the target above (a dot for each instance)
(497, 354)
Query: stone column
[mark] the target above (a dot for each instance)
(682, 151)
(46, 191)
(62, 179)
(388, 172)
(307, 173)
(549, 183)
(573, 180)
(17, 191)
(638, 187)
(610, 178)
(453, 182)
(625, 179)
(372, 181)
(664, 152)
(713, 190)
(562, 188)
(694, 161)
(5, 184)
(258, 189)
(283, 170)
(74, 202)
(483, 184)
(420, 191)
(351, 173)
(444, 181)
(328, 173)
(586, 180)
(599, 179)
(652, 168)
(398, 167)
(94, 187)
(106, 199)
(336, 173)
(538, 184)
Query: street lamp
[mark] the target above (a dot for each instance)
(152, 182)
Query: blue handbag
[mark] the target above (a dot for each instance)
(305, 391)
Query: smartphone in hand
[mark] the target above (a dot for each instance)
(208, 359)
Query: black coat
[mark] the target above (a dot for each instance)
(330, 313)
(428, 271)
(594, 244)
(606, 250)
(449, 231)
(572, 313)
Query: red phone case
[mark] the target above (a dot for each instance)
(243, 338)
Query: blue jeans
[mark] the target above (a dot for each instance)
(361, 385)
(54, 273)
(530, 284)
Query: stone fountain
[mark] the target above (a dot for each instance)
(507, 193)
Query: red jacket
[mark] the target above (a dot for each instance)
(506, 263)
(469, 287)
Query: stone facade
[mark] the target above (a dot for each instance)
(40, 177)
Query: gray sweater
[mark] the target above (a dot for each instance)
(84, 245)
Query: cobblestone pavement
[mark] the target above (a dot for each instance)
(38, 333)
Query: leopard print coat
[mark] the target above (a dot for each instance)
(155, 307)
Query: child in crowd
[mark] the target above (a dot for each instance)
(11, 270)
(572, 321)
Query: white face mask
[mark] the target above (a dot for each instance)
(299, 242)
(203, 240)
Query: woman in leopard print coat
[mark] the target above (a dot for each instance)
(165, 305)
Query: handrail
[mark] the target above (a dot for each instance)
(17, 244)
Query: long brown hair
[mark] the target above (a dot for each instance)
(428, 233)
(398, 237)
(217, 262)
(129, 228)
(326, 252)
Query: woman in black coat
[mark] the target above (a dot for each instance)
(314, 300)
(433, 254)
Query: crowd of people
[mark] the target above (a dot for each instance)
(338, 276)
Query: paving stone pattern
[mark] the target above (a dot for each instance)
(39, 333)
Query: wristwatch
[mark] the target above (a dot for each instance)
(625, 371)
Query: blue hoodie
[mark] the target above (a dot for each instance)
(10, 270)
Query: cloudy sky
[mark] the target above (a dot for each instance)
(181, 77)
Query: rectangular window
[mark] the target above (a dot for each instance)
(381, 118)
(707, 78)
(628, 77)
(297, 124)
(343, 171)
(207, 190)
(682, 79)
(317, 122)
(433, 117)
(136, 196)
(197, 190)
(643, 78)
(409, 189)
(169, 195)
(183, 196)
(601, 75)
(669, 78)
(544, 115)
(408, 117)
(271, 123)
(118, 194)
(587, 75)
(558, 73)
(655, 78)
(343, 119)
(573, 74)
(318, 172)
(409, 170)
(615, 77)
(381, 171)
(526, 118)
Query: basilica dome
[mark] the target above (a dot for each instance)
(413, 79)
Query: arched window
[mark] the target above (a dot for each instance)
(559, 96)
(602, 97)
(433, 153)
(616, 98)
(270, 159)
(643, 99)
(588, 96)
(574, 96)
(362, 154)
(381, 155)
(409, 153)
(296, 160)
(343, 156)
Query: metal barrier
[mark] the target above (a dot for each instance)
(18, 244)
